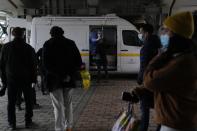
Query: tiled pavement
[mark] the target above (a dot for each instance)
(104, 106)
(94, 110)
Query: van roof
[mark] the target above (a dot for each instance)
(101, 20)
(108, 16)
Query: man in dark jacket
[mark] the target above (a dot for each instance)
(151, 46)
(18, 72)
(61, 61)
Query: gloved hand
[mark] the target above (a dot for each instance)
(134, 97)
(2, 91)
(139, 90)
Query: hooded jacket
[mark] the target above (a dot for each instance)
(175, 90)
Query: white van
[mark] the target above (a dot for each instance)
(120, 35)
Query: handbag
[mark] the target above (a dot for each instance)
(127, 120)
(133, 125)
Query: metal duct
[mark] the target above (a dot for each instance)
(13, 4)
(58, 6)
(33, 3)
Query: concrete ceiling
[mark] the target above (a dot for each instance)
(180, 5)
(16, 6)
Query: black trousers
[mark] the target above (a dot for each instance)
(101, 63)
(13, 89)
(19, 97)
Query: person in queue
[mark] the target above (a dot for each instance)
(61, 61)
(172, 76)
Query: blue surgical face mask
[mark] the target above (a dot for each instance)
(164, 40)
(140, 37)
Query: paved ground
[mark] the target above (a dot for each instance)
(94, 110)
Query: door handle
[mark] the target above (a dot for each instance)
(124, 50)
(84, 50)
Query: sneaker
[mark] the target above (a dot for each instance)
(12, 127)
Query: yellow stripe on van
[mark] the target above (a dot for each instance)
(129, 54)
(84, 54)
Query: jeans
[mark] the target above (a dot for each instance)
(166, 128)
(146, 102)
(62, 103)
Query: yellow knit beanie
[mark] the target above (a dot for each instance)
(181, 24)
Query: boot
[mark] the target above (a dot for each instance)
(68, 129)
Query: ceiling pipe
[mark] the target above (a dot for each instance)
(13, 4)
(50, 7)
(171, 6)
(58, 6)
(65, 10)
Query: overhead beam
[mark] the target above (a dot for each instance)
(33, 3)
(171, 6)
(13, 4)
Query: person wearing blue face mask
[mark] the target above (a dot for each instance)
(151, 45)
(140, 37)
(164, 38)
(172, 77)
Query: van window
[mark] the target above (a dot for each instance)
(130, 38)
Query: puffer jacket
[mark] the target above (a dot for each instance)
(175, 91)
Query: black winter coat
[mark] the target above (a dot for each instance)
(18, 63)
(61, 59)
(148, 51)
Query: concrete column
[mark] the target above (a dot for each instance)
(54, 7)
